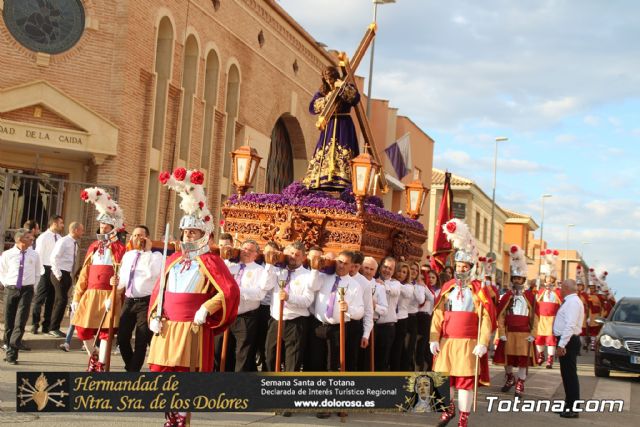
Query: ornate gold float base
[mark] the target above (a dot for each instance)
(332, 230)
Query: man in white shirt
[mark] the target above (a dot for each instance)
(359, 329)
(385, 328)
(567, 327)
(63, 263)
(139, 270)
(378, 302)
(327, 309)
(45, 293)
(250, 278)
(297, 296)
(20, 269)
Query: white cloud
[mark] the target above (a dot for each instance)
(591, 120)
(565, 138)
(459, 19)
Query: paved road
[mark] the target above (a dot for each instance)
(542, 383)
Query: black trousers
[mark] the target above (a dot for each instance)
(423, 353)
(45, 295)
(409, 347)
(264, 316)
(569, 371)
(325, 347)
(354, 331)
(134, 316)
(61, 287)
(385, 335)
(230, 360)
(17, 303)
(294, 339)
(244, 330)
(397, 348)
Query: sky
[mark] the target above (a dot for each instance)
(560, 79)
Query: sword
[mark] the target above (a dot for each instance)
(163, 278)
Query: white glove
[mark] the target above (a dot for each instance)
(480, 350)
(531, 338)
(503, 338)
(435, 347)
(107, 304)
(74, 307)
(155, 326)
(201, 316)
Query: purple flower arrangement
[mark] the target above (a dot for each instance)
(297, 194)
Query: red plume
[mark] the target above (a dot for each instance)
(514, 249)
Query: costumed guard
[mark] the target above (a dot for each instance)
(584, 297)
(548, 302)
(608, 300)
(92, 294)
(595, 308)
(463, 318)
(330, 166)
(516, 323)
(487, 272)
(197, 298)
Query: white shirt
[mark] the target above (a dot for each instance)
(300, 293)
(569, 319)
(183, 281)
(45, 244)
(379, 299)
(367, 298)
(250, 280)
(405, 300)
(461, 300)
(419, 297)
(392, 289)
(104, 258)
(64, 253)
(10, 267)
(427, 305)
(549, 296)
(353, 297)
(146, 273)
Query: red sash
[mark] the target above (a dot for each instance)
(181, 307)
(99, 276)
(548, 308)
(516, 323)
(460, 324)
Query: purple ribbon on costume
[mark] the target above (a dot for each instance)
(21, 270)
(132, 273)
(332, 298)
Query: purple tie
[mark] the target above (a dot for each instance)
(288, 281)
(240, 273)
(332, 298)
(55, 237)
(20, 270)
(132, 273)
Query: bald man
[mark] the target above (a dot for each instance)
(567, 328)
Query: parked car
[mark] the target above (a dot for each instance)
(618, 344)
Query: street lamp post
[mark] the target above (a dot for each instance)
(373, 47)
(544, 196)
(493, 197)
(565, 271)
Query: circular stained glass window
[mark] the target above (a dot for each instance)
(49, 26)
